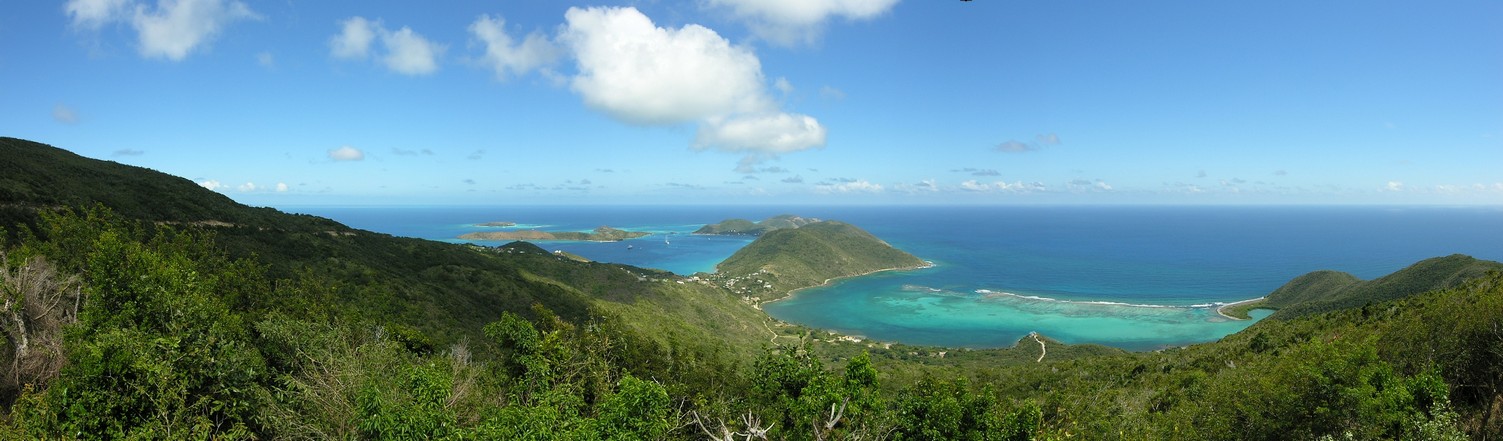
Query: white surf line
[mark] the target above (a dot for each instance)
(1042, 350)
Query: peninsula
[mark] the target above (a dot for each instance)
(785, 260)
(602, 234)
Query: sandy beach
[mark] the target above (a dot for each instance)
(1221, 309)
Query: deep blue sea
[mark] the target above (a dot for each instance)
(1132, 277)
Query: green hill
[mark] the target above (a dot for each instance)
(1327, 290)
(156, 309)
(743, 227)
(793, 258)
(35, 175)
(447, 292)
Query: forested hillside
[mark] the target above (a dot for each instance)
(129, 316)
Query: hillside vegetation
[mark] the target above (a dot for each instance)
(187, 316)
(1327, 290)
(793, 258)
(743, 227)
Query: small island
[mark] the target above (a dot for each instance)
(743, 227)
(497, 224)
(602, 234)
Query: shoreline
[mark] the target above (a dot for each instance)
(1222, 309)
(927, 264)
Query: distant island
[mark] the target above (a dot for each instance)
(602, 234)
(497, 224)
(743, 227)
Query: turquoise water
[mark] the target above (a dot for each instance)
(1131, 277)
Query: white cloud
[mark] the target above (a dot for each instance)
(507, 57)
(789, 22)
(211, 184)
(176, 27)
(924, 186)
(1048, 139)
(247, 187)
(171, 30)
(1097, 185)
(94, 14)
(405, 52)
(281, 187)
(354, 39)
(266, 60)
(346, 153)
(782, 85)
(409, 53)
(643, 74)
(855, 186)
(1015, 187)
(64, 114)
(1394, 186)
(765, 134)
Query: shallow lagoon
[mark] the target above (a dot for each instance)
(1079, 274)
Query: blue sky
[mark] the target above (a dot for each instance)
(773, 102)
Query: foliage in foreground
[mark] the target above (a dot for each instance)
(172, 339)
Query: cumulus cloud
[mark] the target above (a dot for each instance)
(782, 85)
(409, 53)
(247, 187)
(793, 180)
(853, 186)
(211, 184)
(507, 57)
(644, 74)
(1015, 187)
(1088, 185)
(404, 51)
(129, 152)
(94, 14)
(354, 38)
(171, 29)
(64, 114)
(639, 73)
(790, 22)
(924, 186)
(766, 134)
(1047, 139)
(346, 153)
(281, 187)
(176, 27)
(1394, 186)
(266, 60)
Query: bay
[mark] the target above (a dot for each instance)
(1127, 276)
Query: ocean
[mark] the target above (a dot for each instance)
(1138, 278)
